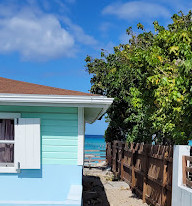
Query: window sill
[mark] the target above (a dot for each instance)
(8, 170)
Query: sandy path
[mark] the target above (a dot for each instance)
(100, 190)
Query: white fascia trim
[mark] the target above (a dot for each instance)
(56, 99)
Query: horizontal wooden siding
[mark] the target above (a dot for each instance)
(59, 131)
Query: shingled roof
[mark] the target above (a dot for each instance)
(19, 87)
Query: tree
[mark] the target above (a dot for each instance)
(150, 79)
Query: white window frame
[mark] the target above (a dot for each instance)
(13, 167)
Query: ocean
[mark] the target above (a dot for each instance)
(95, 142)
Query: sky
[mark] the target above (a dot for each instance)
(46, 41)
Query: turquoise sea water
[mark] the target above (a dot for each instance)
(95, 142)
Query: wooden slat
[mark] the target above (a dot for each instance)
(92, 156)
(151, 201)
(94, 150)
(189, 183)
(128, 166)
(184, 164)
(164, 183)
(127, 181)
(156, 157)
(168, 187)
(95, 156)
(155, 180)
(138, 171)
(188, 169)
(188, 158)
(138, 191)
(93, 160)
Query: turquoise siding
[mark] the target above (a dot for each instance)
(59, 132)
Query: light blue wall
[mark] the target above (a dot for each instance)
(59, 146)
(51, 183)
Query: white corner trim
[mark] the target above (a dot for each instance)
(81, 134)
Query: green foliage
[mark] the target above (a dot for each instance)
(150, 80)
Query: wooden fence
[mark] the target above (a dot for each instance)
(146, 168)
(187, 171)
(94, 156)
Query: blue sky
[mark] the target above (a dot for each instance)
(46, 41)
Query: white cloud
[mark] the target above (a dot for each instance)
(79, 33)
(136, 10)
(105, 27)
(38, 35)
(35, 37)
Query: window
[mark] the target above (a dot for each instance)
(19, 143)
(7, 141)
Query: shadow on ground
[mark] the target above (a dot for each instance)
(94, 192)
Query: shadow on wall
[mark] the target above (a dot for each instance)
(28, 173)
(93, 192)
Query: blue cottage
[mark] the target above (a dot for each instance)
(42, 142)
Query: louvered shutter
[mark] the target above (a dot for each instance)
(27, 143)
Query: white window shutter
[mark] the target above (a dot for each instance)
(27, 143)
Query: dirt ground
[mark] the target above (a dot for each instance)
(99, 189)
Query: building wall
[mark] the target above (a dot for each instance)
(59, 144)
(181, 195)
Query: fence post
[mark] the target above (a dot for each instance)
(111, 156)
(122, 162)
(133, 167)
(109, 153)
(115, 154)
(107, 148)
(122, 172)
(120, 157)
(184, 165)
(145, 147)
(164, 181)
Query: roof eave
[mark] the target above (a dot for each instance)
(91, 102)
(57, 99)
